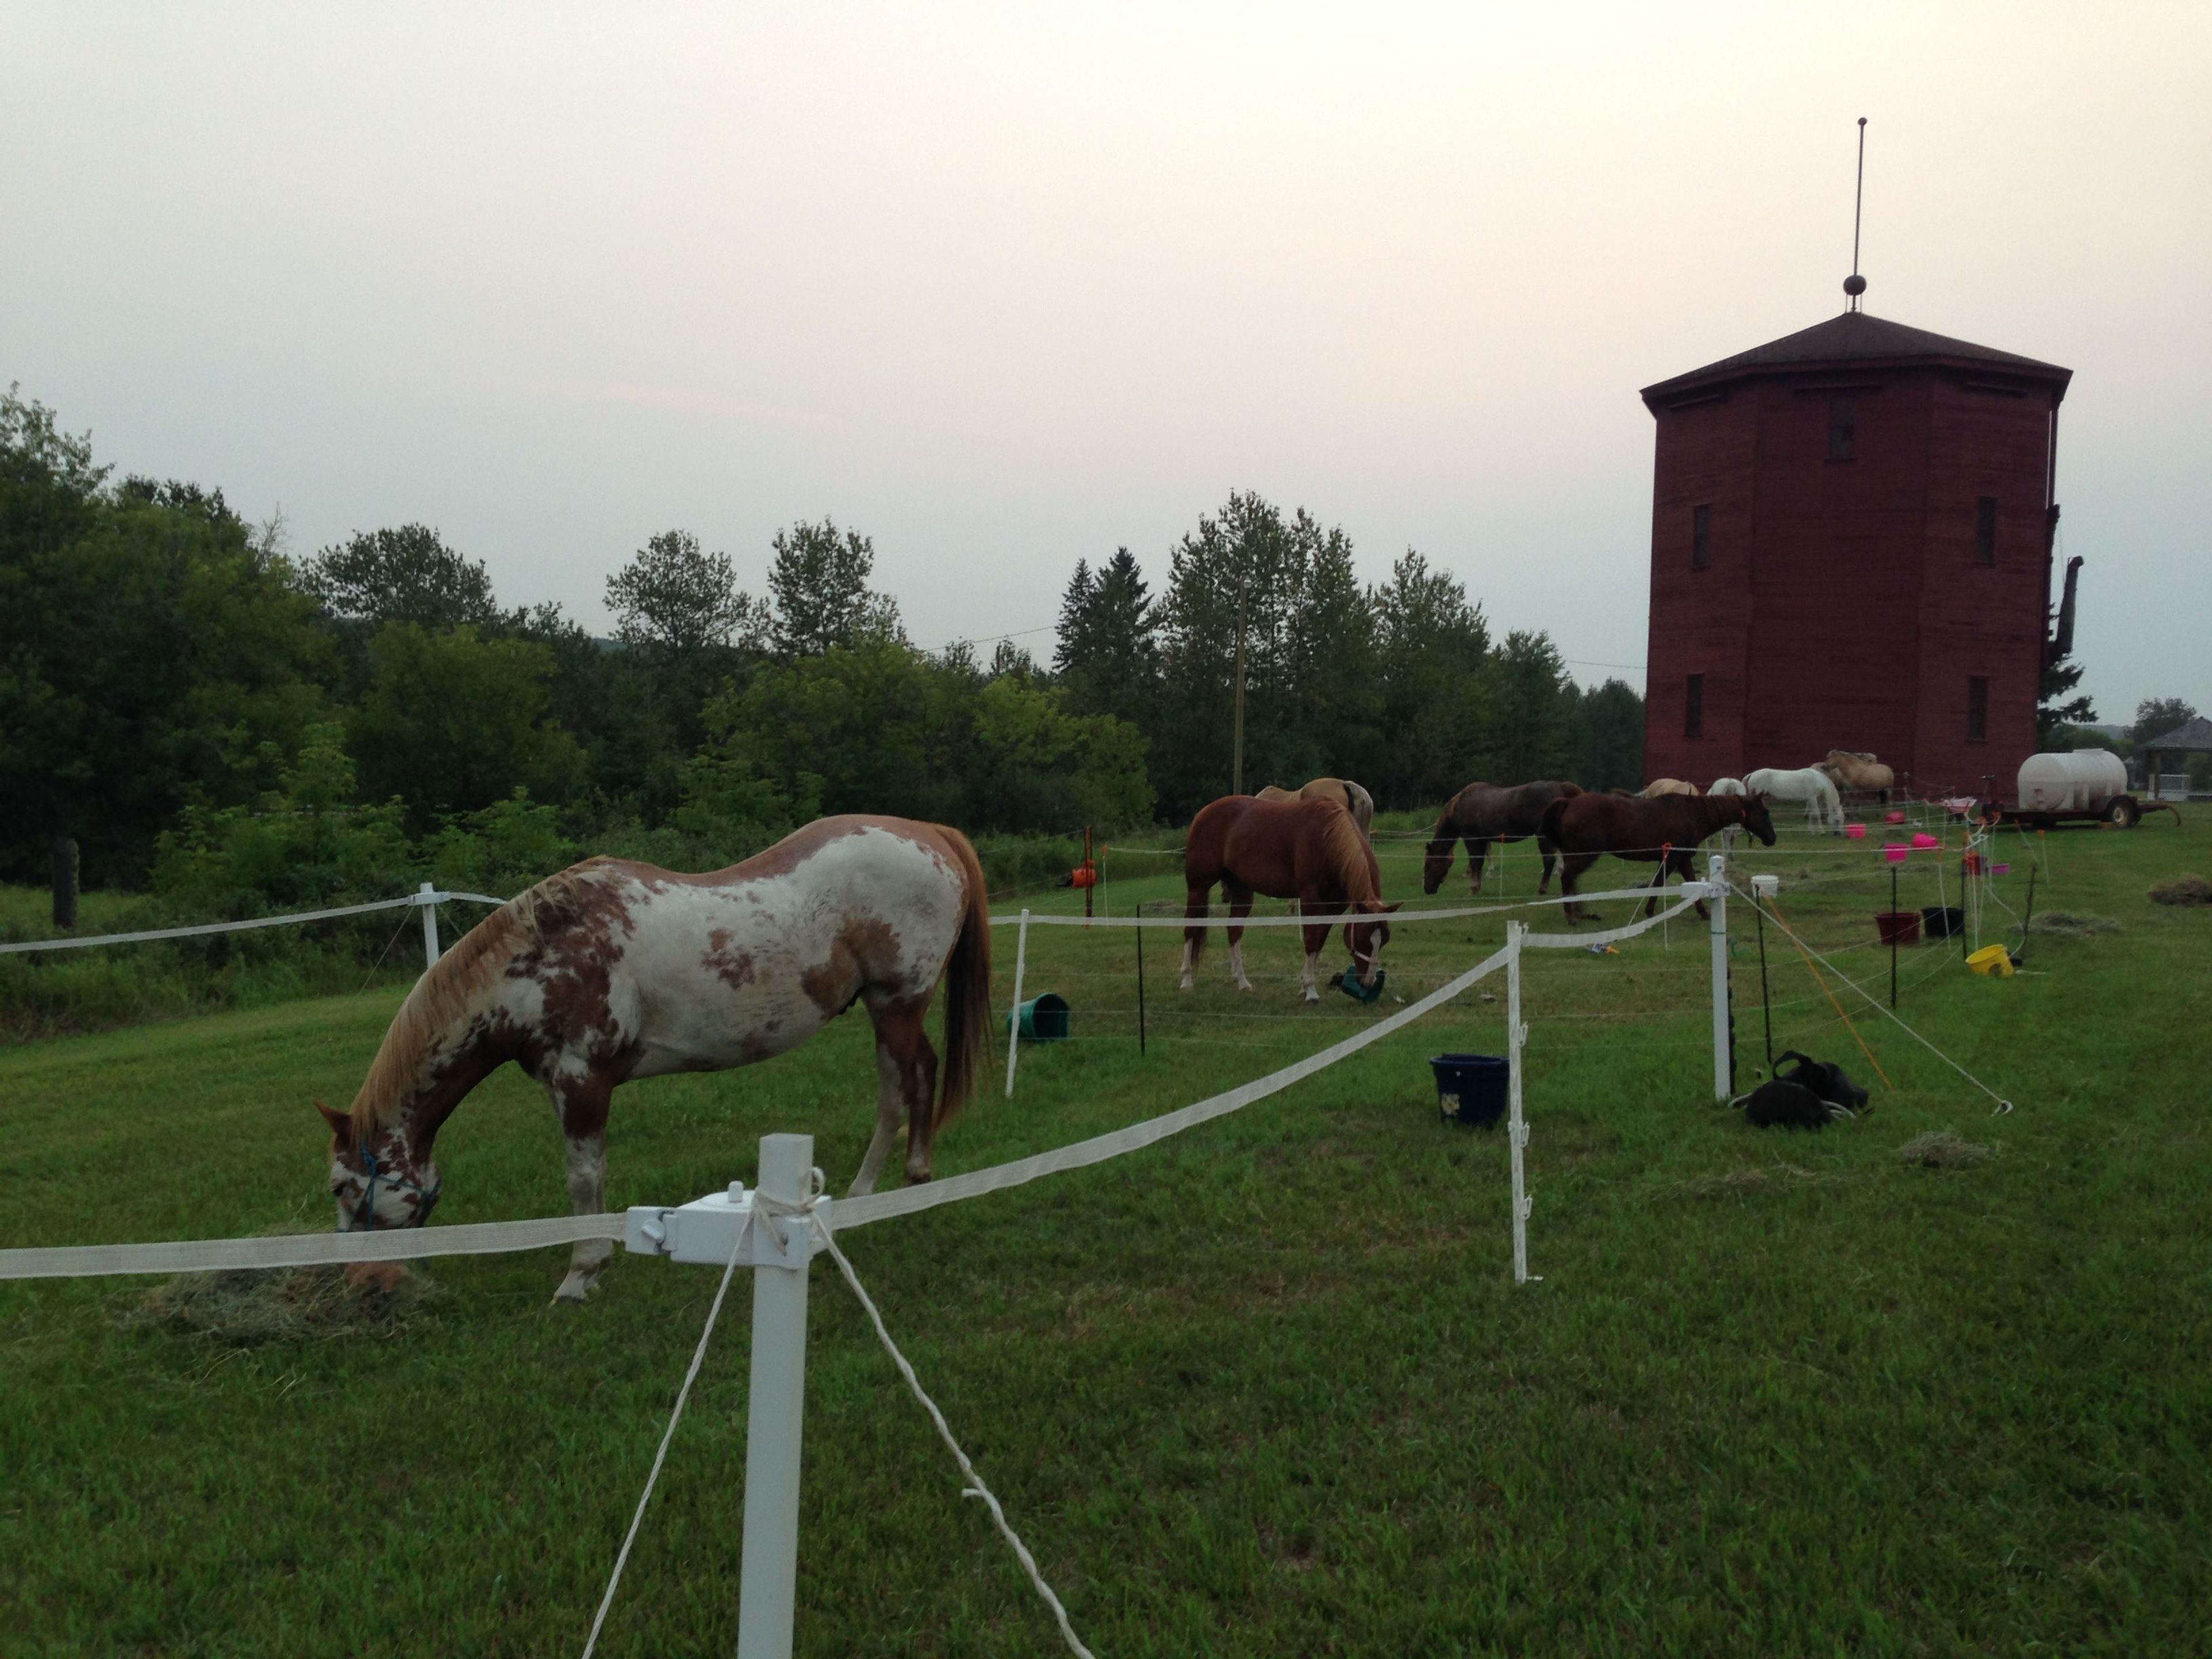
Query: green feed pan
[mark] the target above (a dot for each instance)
(1348, 983)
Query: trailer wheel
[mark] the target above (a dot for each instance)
(2123, 813)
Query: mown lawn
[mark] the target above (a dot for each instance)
(1268, 1389)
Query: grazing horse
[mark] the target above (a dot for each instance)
(1858, 772)
(1659, 789)
(1823, 809)
(612, 971)
(1345, 792)
(1309, 850)
(1727, 786)
(1666, 832)
(1483, 812)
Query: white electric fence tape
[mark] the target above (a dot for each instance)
(488, 1238)
(412, 901)
(1057, 919)
(305, 1249)
(907, 1201)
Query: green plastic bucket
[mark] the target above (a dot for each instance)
(1045, 1019)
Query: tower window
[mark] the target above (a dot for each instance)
(1843, 426)
(1701, 537)
(1977, 708)
(1694, 707)
(1986, 530)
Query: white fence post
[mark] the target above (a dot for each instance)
(1014, 1008)
(1724, 1044)
(427, 898)
(1515, 1129)
(768, 1579)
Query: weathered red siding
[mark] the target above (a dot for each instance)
(1843, 606)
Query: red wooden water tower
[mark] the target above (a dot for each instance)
(1850, 549)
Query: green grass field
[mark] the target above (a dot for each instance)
(1268, 1389)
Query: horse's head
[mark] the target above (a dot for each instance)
(1436, 864)
(377, 1185)
(1365, 940)
(1755, 818)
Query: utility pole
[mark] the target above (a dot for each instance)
(1237, 771)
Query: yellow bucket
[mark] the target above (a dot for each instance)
(1992, 959)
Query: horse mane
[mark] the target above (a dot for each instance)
(444, 995)
(1349, 852)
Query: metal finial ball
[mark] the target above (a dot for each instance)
(1855, 285)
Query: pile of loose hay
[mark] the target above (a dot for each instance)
(1743, 1182)
(2067, 925)
(284, 1305)
(2182, 889)
(1940, 1149)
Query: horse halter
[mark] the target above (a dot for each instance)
(364, 1214)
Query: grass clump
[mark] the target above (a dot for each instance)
(2191, 889)
(1941, 1149)
(289, 1305)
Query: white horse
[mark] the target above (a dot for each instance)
(1727, 786)
(1824, 810)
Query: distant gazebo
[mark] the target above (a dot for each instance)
(2191, 736)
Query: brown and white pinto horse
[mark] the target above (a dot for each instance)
(612, 971)
(1309, 850)
(1485, 812)
(1666, 832)
(1345, 792)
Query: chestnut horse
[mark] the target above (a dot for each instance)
(612, 971)
(1485, 812)
(1345, 792)
(1666, 832)
(1309, 850)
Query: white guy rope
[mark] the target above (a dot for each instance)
(1875, 1002)
(411, 900)
(698, 1355)
(305, 1249)
(976, 1487)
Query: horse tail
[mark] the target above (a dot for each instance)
(967, 987)
(1547, 827)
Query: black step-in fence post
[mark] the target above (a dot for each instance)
(1140, 976)
(1894, 925)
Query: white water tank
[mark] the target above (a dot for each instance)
(2083, 781)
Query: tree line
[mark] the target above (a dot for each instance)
(197, 708)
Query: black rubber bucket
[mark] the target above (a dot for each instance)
(1942, 921)
(1471, 1088)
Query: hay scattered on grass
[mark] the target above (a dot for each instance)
(1747, 1181)
(2182, 889)
(1940, 1149)
(2067, 925)
(283, 1305)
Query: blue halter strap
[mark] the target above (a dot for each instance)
(364, 1214)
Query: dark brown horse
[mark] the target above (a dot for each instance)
(1309, 850)
(1666, 832)
(1485, 812)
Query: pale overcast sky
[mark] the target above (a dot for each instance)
(1007, 286)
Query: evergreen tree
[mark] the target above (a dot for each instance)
(1529, 711)
(1108, 658)
(2054, 709)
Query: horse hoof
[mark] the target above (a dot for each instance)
(1185, 983)
(573, 1291)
